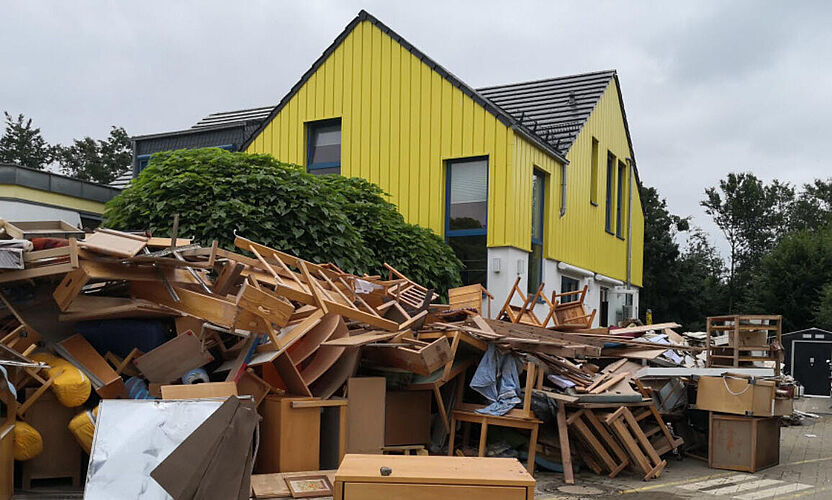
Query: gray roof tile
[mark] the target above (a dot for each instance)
(555, 109)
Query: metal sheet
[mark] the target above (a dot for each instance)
(132, 437)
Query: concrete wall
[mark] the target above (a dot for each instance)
(22, 211)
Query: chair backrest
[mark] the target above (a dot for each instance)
(522, 314)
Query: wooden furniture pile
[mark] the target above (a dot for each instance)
(743, 340)
(337, 363)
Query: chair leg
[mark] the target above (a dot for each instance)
(440, 405)
(451, 437)
(483, 437)
(532, 449)
(466, 434)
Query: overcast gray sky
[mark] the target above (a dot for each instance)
(709, 87)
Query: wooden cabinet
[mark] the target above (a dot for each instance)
(421, 477)
(289, 437)
(61, 456)
(743, 443)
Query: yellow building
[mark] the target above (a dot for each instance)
(535, 179)
(27, 194)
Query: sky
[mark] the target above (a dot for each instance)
(709, 87)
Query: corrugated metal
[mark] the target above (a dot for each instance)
(190, 139)
(556, 108)
(400, 122)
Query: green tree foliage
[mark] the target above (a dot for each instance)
(823, 311)
(323, 219)
(812, 209)
(97, 160)
(791, 278)
(751, 215)
(682, 285)
(23, 145)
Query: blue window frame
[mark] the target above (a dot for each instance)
(619, 203)
(466, 215)
(538, 212)
(323, 147)
(610, 184)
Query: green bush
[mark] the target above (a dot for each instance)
(346, 221)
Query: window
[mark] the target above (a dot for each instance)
(562, 190)
(568, 284)
(610, 180)
(619, 203)
(323, 154)
(142, 161)
(593, 182)
(466, 214)
(538, 212)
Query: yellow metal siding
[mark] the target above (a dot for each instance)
(400, 122)
(579, 237)
(24, 193)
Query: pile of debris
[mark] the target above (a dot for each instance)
(96, 327)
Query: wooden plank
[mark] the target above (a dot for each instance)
(93, 365)
(609, 383)
(114, 243)
(91, 307)
(212, 309)
(291, 376)
(173, 359)
(356, 315)
(198, 391)
(563, 440)
(360, 339)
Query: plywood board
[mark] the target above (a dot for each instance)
(173, 359)
(199, 391)
(365, 414)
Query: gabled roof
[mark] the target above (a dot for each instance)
(504, 117)
(555, 108)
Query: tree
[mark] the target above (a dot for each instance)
(98, 161)
(812, 209)
(701, 289)
(320, 218)
(23, 145)
(661, 255)
(751, 216)
(823, 311)
(791, 278)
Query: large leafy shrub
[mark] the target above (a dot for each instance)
(346, 221)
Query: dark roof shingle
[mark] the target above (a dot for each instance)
(555, 109)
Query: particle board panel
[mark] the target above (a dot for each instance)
(84, 355)
(290, 437)
(61, 456)
(399, 491)
(407, 418)
(173, 359)
(113, 243)
(198, 391)
(365, 414)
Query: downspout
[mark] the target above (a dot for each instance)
(630, 163)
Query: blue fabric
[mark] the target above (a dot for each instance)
(498, 380)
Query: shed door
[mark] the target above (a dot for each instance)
(811, 367)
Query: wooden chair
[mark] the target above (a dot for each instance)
(469, 297)
(406, 291)
(517, 418)
(625, 426)
(523, 314)
(569, 315)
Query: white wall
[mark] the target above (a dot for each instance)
(499, 284)
(20, 211)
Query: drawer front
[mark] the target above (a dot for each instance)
(401, 491)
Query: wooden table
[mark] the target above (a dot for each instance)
(418, 477)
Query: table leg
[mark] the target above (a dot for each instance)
(483, 437)
(451, 437)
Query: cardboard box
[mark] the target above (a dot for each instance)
(739, 396)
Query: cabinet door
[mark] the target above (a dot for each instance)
(400, 491)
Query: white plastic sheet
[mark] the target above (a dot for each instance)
(132, 437)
